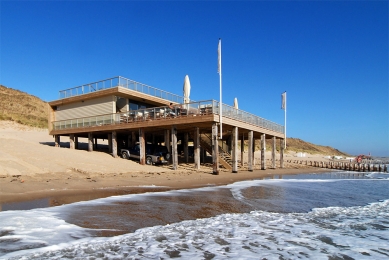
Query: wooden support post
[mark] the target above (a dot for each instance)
(90, 142)
(242, 151)
(229, 143)
(186, 143)
(133, 138)
(114, 145)
(197, 148)
(167, 140)
(263, 152)
(95, 144)
(110, 143)
(174, 148)
(215, 150)
(250, 152)
(142, 147)
(71, 140)
(253, 152)
(129, 141)
(57, 140)
(76, 142)
(234, 150)
(273, 153)
(282, 147)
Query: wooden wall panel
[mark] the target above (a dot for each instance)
(93, 107)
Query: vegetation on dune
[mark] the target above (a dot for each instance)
(298, 145)
(29, 110)
(22, 108)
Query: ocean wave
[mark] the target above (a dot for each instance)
(334, 232)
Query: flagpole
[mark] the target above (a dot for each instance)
(285, 128)
(220, 80)
(285, 122)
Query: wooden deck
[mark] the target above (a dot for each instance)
(182, 123)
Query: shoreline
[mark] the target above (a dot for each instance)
(73, 187)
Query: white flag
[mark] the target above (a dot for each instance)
(283, 101)
(219, 57)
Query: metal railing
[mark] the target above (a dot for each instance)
(120, 82)
(182, 110)
(145, 89)
(237, 114)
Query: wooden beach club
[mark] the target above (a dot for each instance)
(126, 112)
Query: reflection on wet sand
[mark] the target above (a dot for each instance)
(68, 197)
(124, 216)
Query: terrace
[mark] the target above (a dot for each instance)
(119, 82)
(192, 109)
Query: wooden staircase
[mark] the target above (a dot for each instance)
(225, 158)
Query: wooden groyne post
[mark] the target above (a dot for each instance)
(349, 166)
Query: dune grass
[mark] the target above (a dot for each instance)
(22, 108)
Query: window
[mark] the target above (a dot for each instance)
(133, 106)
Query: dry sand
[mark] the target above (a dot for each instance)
(31, 168)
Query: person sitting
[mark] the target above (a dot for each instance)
(171, 110)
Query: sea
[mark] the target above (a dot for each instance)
(330, 215)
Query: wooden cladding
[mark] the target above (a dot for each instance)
(87, 108)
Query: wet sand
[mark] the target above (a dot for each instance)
(123, 215)
(69, 188)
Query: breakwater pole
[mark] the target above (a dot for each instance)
(347, 166)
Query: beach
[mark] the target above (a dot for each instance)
(32, 168)
(58, 203)
(330, 215)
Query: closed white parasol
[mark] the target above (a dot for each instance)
(236, 103)
(186, 89)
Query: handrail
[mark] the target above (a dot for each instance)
(237, 114)
(189, 109)
(210, 143)
(120, 81)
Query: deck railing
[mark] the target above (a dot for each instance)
(119, 82)
(160, 113)
(231, 112)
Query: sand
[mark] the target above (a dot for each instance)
(32, 168)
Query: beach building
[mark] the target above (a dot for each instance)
(126, 112)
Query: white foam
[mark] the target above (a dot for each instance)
(323, 233)
(378, 175)
(35, 228)
(258, 234)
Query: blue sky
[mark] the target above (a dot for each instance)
(330, 56)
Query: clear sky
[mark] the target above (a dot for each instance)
(330, 56)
